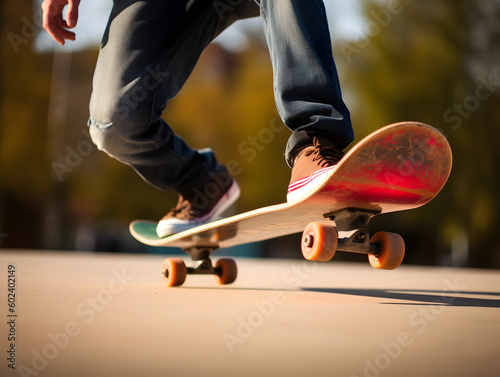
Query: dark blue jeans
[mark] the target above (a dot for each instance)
(148, 51)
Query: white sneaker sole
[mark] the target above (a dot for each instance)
(171, 226)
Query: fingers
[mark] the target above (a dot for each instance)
(53, 20)
(62, 30)
(72, 13)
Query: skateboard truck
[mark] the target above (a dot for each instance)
(352, 229)
(202, 262)
(350, 233)
(174, 270)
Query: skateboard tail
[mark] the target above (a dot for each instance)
(144, 231)
(399, 167)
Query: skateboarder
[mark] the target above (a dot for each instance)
(148, 51)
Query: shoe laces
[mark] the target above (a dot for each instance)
(324, 153)
(184, 209)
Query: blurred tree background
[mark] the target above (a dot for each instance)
(435, 61)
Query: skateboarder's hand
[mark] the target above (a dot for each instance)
(54, 22)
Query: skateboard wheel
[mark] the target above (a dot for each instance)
(392, 251)
(228, 270)
(173, 271)
(319, 242)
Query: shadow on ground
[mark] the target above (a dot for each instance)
(420, 297)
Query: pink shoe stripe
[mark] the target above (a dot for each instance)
(296, 185)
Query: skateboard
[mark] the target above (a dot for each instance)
(398, 167)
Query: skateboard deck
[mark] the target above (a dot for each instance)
(398, 167)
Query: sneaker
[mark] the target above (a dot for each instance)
(202, 207)
(311, 167)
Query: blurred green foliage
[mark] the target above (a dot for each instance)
(435, 61)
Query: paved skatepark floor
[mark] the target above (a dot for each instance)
(84, 314)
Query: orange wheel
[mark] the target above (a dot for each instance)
(392, 250)
(228, 270)
(173, 272)
(319, 242)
